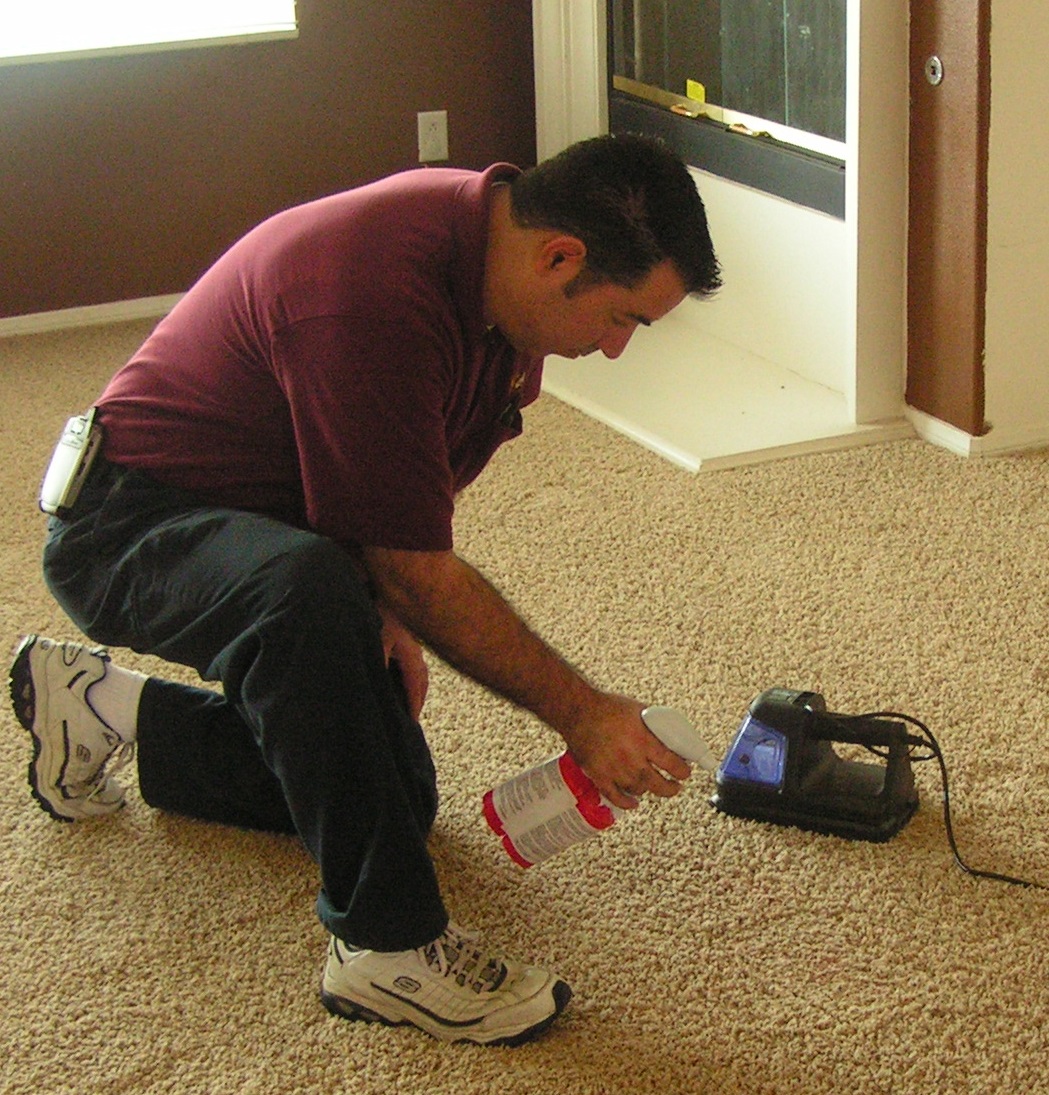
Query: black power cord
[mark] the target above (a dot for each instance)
(935, 752)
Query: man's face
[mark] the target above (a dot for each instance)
(596, 317)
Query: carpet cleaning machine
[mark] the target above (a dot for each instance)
(783, 767)
(787, 764)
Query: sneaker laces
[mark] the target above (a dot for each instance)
(119, 758)
(458, 954)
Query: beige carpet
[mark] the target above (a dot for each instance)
(708, 955)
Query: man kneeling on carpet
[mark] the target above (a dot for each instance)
(273, 508)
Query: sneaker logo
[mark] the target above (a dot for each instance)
(441, 1020)
(407, 984)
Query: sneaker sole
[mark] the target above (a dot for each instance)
(342, 1008)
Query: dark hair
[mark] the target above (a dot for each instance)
(631, 201)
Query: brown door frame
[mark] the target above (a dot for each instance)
(947, 207)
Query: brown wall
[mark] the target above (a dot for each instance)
(125, 177)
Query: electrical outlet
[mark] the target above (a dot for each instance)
(433, 135)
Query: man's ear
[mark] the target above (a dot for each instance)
(562, 255)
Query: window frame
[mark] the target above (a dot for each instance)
(282, 26)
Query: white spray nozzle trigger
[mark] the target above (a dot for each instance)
(679, 735)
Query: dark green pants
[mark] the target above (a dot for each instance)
(311, 732)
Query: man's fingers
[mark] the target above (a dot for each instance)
(652, 781)
(659, 784)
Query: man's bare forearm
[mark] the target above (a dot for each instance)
(468, 623)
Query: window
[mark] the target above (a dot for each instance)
(39, 30)
(753, 90)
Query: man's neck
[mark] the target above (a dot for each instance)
(501, 254)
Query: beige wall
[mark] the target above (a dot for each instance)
(124, 177)
(1017, 352)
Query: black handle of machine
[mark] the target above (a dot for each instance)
(850, 730)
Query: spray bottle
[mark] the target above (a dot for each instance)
(554, 805)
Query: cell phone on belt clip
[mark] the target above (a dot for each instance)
(72, 459)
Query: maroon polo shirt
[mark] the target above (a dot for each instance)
(333, 369)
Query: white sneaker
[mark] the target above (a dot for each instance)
(450, 988)
(74, 752)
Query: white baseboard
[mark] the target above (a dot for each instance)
(996, 442)
(92, 315)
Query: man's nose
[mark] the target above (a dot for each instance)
(615, 342)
